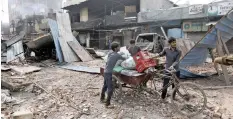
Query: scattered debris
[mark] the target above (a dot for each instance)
(7, 85)
(41, 48)
(100, 54)
(120, 115)
(216, 87)
(85, 109)
(22, 115)
(5, 68)
(6, 115)
(206, 69)
(3, 57)
(64, 93)
(94, 53)
(217, 115)
(18, 77)
(21, 70)
(6, 98)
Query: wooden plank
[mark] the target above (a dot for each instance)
(65, 35)
(221, 53)
(80, 51)
(54, 29)
(91, 50)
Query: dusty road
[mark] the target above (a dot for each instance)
(71, 95)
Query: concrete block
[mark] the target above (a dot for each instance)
(23, 115)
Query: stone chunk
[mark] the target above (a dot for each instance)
(23, 115)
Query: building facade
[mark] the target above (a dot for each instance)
(106, 21)
(122, 20)
(192, 22)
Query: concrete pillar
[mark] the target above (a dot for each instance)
(128, 35)
(88, 40)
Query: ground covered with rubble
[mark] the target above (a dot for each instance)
(56, 93)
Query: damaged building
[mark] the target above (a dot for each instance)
(99, 23)
(24, 34)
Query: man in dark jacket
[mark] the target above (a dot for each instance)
(113, 57)
(172, 61)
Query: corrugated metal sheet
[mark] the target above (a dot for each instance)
(54, 30)
(225, 26)
(81, 68)
(65, 35)
(198, 55)
(15, 39)
(15, 51)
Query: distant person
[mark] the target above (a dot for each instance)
(113, 57)
(133, 49)
(109, 44)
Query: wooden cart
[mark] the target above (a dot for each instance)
(186, 102)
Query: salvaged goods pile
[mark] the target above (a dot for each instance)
(206, 68)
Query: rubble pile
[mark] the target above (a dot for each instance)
(51, 71)
(56, 93)
(206, 68)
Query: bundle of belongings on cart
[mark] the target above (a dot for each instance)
(133, 65)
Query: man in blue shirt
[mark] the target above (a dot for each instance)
(113, 57)
(172, 61)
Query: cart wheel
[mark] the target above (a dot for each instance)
(188, 99)
(151, 89)
(117, 88)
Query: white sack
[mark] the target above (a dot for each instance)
(129, 63)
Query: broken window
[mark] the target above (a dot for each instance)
(146, 39)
